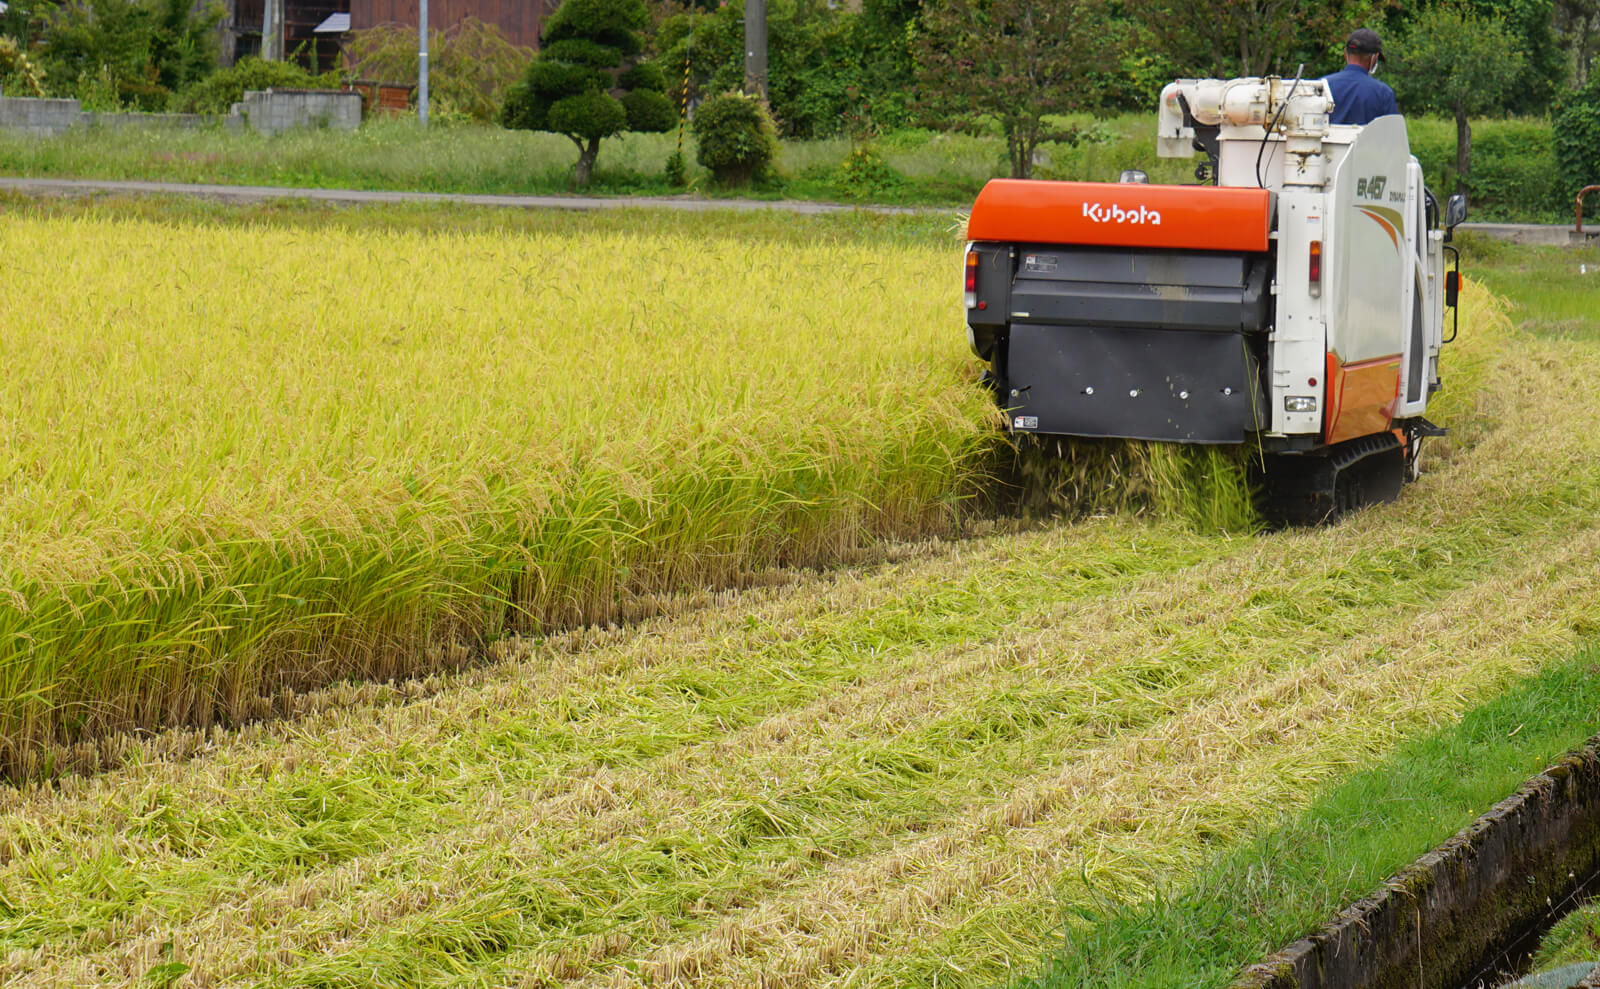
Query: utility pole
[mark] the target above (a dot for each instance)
(272, 32)
(422, 63)
(755, 47)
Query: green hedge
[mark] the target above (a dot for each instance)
(1515, 178)
(1577, 136)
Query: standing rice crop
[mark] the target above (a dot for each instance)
(237, 461)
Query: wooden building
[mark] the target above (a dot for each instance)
(519, 20)
(313, 30)
(316, 50)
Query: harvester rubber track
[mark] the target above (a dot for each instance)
(1321, 486)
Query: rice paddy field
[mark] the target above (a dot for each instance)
(467, 564)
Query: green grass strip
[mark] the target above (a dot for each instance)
(1552, 290)
(1257, 897)
(1576, 939)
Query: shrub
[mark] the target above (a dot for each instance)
(865, 175)
(17, 73)
(221, 90)
(736, 136)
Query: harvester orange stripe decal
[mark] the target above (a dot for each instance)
(1388, 227)
(1116, 214)
(1362, 397)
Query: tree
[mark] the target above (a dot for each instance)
(470, 67)
(1015, 61)
(1451, 60)
(1577, 25)
(588, 82)
(822, 61)
(147, 50)
(1248, 37)
(1545, 69)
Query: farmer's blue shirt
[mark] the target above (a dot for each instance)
(1358, 98)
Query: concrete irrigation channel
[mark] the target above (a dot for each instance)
(1463, 912)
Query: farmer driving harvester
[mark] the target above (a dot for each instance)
(1358, 98)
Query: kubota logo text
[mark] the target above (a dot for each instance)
(1099, 213)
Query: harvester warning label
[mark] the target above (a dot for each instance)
(1039, 262)
(1025, 422)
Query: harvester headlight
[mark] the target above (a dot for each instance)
(1299, 403)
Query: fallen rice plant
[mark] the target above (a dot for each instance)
(887, 776)
(1209, 488)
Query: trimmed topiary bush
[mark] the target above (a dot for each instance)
(736, 136)
(585, 83)
(649, 111)
(645, 75)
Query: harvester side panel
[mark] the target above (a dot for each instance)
(1373, 278)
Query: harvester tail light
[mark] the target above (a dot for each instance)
(972, 279)
(1314, 268)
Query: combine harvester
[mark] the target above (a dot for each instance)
(1294, 302)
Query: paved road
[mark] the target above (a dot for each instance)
(263, 193)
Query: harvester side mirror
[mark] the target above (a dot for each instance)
(1452, 287)
(1455, 212)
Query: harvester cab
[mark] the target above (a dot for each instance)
(1294, 302)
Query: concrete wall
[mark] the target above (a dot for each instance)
(39, 118)
(274, 111)
(146, 121)
(270, 112)
(1452, 909)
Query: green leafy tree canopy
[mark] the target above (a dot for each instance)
(823, 62)
(146, 49)
(471, 66)
(1013, 61)
(1452, 60)
(1247, 37)
(1577, 138)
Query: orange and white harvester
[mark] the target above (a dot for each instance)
(1294, 301)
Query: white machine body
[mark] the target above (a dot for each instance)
(1295, 303)
(1353, 197)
